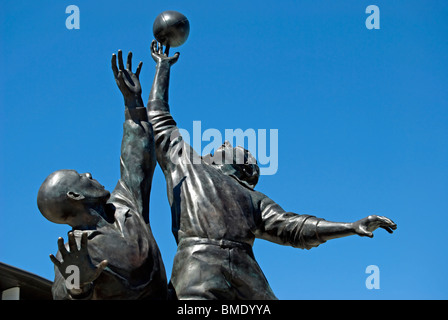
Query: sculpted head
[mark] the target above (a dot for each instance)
(237, 162)
(67, 197)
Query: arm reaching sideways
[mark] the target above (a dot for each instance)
(328, 230)
(306, 231)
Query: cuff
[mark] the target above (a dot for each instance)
(307, 236)
(85, 294)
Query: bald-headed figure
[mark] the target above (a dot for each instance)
(68, 197)
(111, 242)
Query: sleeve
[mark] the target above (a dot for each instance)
(171, 149)
(287, 228)
(137, 163)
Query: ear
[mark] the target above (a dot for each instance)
(75, 196)
(227, 144)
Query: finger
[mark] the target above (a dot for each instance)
(129, 62)
(56, 262)
(167, 50)
(175, 58)
(114, 65)
(392, 224)
(387, 222)
(99, 268)
(160, 48)
(120, 60)
(84, 241)
(62, 248)
(139, 68)
(365, 233)
(153, 46)
(102, 265)
(388, 229)
(72, 242)
(119, 79)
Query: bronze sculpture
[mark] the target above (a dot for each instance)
(118, 257)
(216, 213)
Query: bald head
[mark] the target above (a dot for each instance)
(65, 196)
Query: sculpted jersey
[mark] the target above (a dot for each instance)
(135, 269)
(208, 204)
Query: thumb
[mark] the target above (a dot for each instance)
(365, 233)
(100, 267)
(369, 234)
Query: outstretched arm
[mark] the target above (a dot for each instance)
(327, 230)
(137, 149)
(305, 231)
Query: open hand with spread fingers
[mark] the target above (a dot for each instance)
(162, 57)
(127, 81)
(88, 272)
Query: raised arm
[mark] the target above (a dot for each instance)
(159, 90)
(137, 160)
(170, 147)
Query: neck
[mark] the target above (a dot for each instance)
(232, 172)
(242, 182)
(94, 217)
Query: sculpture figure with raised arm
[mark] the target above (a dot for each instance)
(111, 242)
(217, 213)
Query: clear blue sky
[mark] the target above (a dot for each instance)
(362, 119)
